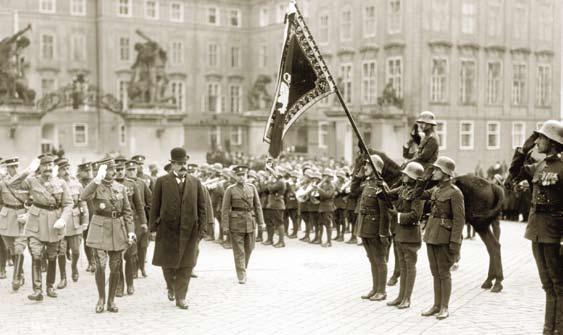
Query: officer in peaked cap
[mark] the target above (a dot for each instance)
(242, 212)
(140, 159)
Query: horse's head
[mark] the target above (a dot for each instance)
(391, 170)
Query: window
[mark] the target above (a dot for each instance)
(124, 49)
(151, 9)
(545, 21)
(323, 134)
(122, 135)
(543, 93)
(78, 48)
(394, 16)
(369, 82)
(235, 97)
(215, 136)
(236, 135)
(493, 135)
(264, 16)
(179, 94)
(323, 29)
(235, 57)
(47, 47)
(177, 54)
(495, 18)
(282, 10)
(520, 21)
(213, 98)
(370, 21)
(346, 25)
(346, 75)
(212, 55)
(442, 133)
(518, 134)
(469, 20)
(263, 56)
(78, 7)
(122, 86)
(519, 84)
(47, 6)
(466, 135)
(48, 85)
(438, 84)
(395, 74)
(234, 18)
(467, 86)
(213, 15)
(124, 8)
(494, 83)
(440, 15)
(177, 12)
(80, 134)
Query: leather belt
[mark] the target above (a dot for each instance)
(112, 214)
(18, 207)
(47, 207)
(241, 209)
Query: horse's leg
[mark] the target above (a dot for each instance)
(495, 261)
(484, 235)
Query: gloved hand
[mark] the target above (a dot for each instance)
(455, 248)
(59, 224)
(101, 174)
(22, 218)
(530, 143)
(132, 238)
(263, 227)
(393, 213)
(144, 228)
(33, 166)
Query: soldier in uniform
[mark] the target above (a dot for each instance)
(352, 200)
(140, 159)
(216, 194)
(340, 204)
(75, 226)
(545, 221)
(46, 220)
(291, 205)
(12, 215)
(373, 227)
(84, 175)
(263, 194)
(406, 219)
(276, 207)
(242, 212)
(443, 233)
(423, 151)
(111, 229)
(326, 192)
(305, 205)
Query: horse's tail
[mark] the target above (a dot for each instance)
(488, 215)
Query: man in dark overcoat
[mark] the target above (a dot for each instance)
(178, 216)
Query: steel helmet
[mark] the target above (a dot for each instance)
(377, 161)
(414, 170)
(553, 130)
(427, 117)
(446, 165)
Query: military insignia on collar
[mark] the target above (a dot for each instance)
(102, 206)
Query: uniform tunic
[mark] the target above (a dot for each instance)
(80, 214)
(427, 151)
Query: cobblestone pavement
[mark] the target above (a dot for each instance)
(301, 289)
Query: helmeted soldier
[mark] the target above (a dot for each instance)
(406, 219)
(242, 212)
(341, 187)
(443, 233)
(326, 193)
(13, 213)
(46, 219)
(111, 229)
(276, 207)
(373, 227)
(423, 151)
(291, 205)
(84, 175)
(545, 221)
(74, 227)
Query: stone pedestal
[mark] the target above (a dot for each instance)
(20, 132)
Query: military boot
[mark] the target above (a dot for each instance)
(409, 285)
(113, 282)
(130, 269)
(446, 285)
(36, 281)
(318, 234)
(328, 243)
(74, 267)
(259, 236)
(17, 277)
(119, 283)
(281, 232)
(402, 286)
(373, 283)
(435, 309)
(381, 277)
(51, 274)
(101, 285)
(270, 236)
(550, 314)
(62, 270)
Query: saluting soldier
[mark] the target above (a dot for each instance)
(242, 212)
(12, 215)
(326, 192)
(545, 221)
(423, 151)
(111, 229)
(84, 175)
(443, 233)
(46, 220)
(74, 227)
(373, 227)
(406, 219)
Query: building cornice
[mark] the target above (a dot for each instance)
(525, 51)
(495, 48)
(544, 53)
(469, 46)
(394, 45)
(346, 51)
(369, 47)
(440, 44)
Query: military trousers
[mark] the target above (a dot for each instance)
(292, 214)
(36, 248)
(73, 243)
(550, 268)
(243, 244)
(377, 253)
(275, 217)
(16, 245)
(441, 261)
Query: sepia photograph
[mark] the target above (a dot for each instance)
(351, 167)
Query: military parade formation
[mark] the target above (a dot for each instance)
(111, 210)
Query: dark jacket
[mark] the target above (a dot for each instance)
(373, 220)
(326, 197)
(179, 222)
(447, 217)
(427, 151)
(406, 224)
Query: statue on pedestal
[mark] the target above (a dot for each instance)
(259, 97)
(13, 83)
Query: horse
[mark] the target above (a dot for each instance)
(483, 202)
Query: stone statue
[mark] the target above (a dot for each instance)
(79, 89)
(259, 97)
(389, 97)
(13, 84)
(149, 81)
